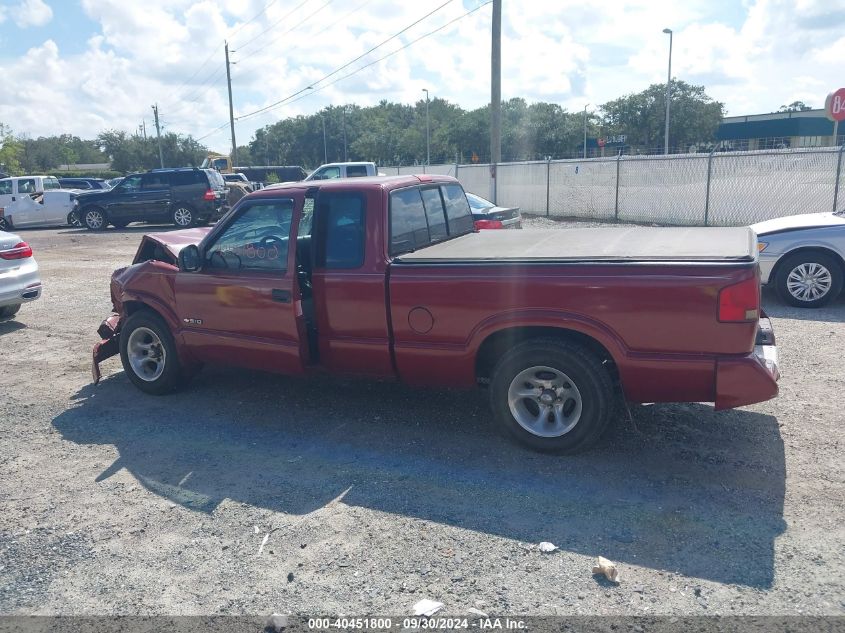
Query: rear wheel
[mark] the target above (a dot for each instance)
(94, 219)
(552, 396)
(149, 354)
(5, 223)
(184, 216)
(809, 280)
(7, 312)
(73, 219)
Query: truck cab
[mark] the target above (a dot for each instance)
(332, 171)
(11, 189)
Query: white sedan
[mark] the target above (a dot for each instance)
(19, 278)
(56, 207)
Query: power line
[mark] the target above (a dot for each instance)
(205, 136)
(290, 99)
(238, 30)
(284, 17)
(346, 65)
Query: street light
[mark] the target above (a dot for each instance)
(668, 93)
(427, 131)
(585, 130)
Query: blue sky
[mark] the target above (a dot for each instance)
(102, 63)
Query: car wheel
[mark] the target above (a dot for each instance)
(149, 355)
(7, 312)
(809, 280)
(5, 223)
(73, 219)
(183, 216)
(94, 219)
(552, 396)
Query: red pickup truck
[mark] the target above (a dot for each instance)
(386, 277)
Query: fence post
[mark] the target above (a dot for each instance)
(838, 174)
(548, 183)
(616, 203)
(707, 192)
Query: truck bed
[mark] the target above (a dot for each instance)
(611, 244)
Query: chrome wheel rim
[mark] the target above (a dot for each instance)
(146, 354)
(809, 281)
(544, 401)
(3, 225)
(182, 216)
(94, 219)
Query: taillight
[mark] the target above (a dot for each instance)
(21, 250)
(740, 302)
(209, 195)
(488, 224)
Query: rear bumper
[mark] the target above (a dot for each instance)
(20, 284)
(752, 378)
(108, 346)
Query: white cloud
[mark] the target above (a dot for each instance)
(753, 57)
(27, 13)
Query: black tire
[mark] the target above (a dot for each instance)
(579, 367)
(5, 223)
(7, 312)
(183, 215)
(94, 218)
(73, 219)
(808, 260)
(171, 376)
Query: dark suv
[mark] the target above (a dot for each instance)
(185, 197)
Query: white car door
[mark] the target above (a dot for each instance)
(23, 212)
(56, 207)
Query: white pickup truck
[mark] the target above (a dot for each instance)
(28, 201)
(331, 171)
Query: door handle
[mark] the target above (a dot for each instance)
(282, 296)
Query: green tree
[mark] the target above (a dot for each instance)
(795, 106)
(10, 150)
(694, 116)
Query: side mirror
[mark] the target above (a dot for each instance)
(189, 259)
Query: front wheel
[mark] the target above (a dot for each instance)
(7, 312)
(149, 354)
(552, 396)
(94, 219)
(73, 219)
(809, 280)
(184, 216)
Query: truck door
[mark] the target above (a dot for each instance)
(242, 306)
(349, 283)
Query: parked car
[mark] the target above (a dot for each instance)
(57, 207)
(331, 171)
(185, 197)
(11, 189)
(387, 278)
(803, 257)
(488, 215)
(83, 183)
(19, 278)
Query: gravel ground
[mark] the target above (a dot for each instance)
(375, 496)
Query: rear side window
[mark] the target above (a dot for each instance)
(154, 182)
(341, 220)
(51, 183)
(408, 226)
(356, 171)
(183, 178)
(434, 214)
(457, 209)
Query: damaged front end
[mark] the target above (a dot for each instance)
(108, 346)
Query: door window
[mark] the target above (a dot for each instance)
(257, 239)
(130, 184)
(26, 185)
(327, 173)
(153, 182)
(5, 187)
(341, 216)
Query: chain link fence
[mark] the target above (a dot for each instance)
(717, 189)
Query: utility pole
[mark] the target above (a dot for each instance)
(668, 93)
(158, 135)
(325, 146)
(343, 114)
(231, 109)
(427, 131)
(585, 130)
(496, 95)
(144, 128)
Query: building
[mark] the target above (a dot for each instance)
(778, 130)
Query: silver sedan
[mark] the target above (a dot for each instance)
(803, 257)
(19, 278)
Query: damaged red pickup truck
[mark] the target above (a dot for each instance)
(386, 277)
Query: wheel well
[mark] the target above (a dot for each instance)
(806, 249)
(131, 307)
(500, 342)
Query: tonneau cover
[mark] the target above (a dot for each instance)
(611, 244)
